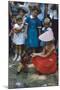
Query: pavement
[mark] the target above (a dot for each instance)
(30, 78)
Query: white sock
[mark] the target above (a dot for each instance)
(19, 58)
(15, 57)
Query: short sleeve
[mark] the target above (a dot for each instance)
(27, 19)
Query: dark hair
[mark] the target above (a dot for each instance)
(35, 8)
(21, 9)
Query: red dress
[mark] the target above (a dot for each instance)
(45, 65)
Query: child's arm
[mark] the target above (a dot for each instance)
(22, 25)
(48, 53)
(42, 53)
(38, 54)
(20, 28)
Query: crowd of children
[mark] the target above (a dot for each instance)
(28, 32)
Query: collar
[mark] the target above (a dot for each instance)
(31, 17)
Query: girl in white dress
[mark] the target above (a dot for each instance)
(18, 37)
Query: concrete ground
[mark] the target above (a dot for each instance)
(30, 78)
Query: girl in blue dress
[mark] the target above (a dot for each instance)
(32, 31)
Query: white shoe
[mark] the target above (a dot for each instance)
(15, 57)
(10, 66)
(19, 84)
(19, 58)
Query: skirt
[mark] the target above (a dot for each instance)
(45, 65)
(18, 38)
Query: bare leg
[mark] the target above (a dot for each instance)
(19, 53)
(16, 53)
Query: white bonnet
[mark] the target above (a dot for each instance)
(47, 36)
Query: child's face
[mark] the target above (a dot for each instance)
(46, 25)
(35, 13)
(19, 21)
(21, 13)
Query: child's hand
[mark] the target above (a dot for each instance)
(33, 55)
(17, 31)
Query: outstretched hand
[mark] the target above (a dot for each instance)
(33, 55)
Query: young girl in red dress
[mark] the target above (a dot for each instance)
(45, 62)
